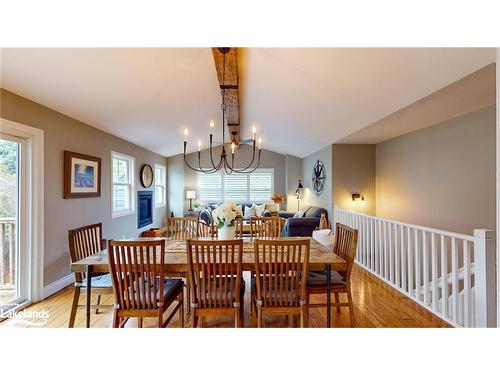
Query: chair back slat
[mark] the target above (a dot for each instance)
(182, 228)
(238, 228)
(137, 274)
(83, 242)
(281, 271)
(215, 272)
(346, 239)
(265, 227)
(206, 230)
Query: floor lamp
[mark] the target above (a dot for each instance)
(298, 193)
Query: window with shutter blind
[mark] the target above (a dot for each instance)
(237, 187)
(210, 187)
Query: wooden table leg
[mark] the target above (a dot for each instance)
(89, 294)
(328, 297)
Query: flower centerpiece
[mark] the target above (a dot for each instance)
(278, 198)
(225, 217)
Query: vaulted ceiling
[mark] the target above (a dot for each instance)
(300, 99)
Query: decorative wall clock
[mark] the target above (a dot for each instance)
(146, 175)
(318, 177)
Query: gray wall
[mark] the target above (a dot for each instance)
(442, 176)
(293, 167)
(175, 183)
(180, 184)
(64, 133)
(353, 168)
(325, 198)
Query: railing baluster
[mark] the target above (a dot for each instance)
(434, 264)
(403, 259)
(391, 255)
(409, 260)
(379, 250)
(425, 267)
(466, 290)
(417, 267)
(454, 278)
(11, 253)
(397, 264)
(386, 268)
(444, 277)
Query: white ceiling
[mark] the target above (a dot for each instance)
(300, 99)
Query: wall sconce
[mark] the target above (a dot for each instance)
(356, 197)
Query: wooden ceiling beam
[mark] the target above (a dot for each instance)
(229, 82)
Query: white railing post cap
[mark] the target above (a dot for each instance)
(486, 234)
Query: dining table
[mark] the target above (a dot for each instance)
(321, 258)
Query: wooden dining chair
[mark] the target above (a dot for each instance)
(181, 228)
(346, 240)
(206, 230)
(238, 228)
(265, 227)
(215, 275)
(140, 287)
(83, 242)
(279, 286)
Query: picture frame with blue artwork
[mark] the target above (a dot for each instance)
(81, 176)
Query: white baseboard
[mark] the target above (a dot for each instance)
(57, 285)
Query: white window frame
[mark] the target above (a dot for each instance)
(131, 184)
(163, 185)
(223, 185)
(31, 210)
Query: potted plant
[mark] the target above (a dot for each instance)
(225, 217)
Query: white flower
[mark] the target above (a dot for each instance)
(226, 214)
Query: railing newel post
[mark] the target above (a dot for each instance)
(484, 275)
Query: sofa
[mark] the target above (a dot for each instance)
(302, 226)
(206, 214)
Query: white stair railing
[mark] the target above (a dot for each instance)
(450, 274)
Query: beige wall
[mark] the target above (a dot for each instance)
(64, 133)
(323, 200)
(353, 168)
(442, 176)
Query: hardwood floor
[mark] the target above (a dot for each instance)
(376, 305)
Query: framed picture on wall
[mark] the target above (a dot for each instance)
(82, 175)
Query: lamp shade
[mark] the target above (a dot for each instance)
(191, 194)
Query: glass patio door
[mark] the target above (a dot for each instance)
(12, 287)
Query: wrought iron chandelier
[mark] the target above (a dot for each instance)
(224, 163)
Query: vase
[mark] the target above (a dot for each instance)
(226, 233)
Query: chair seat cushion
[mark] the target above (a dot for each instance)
(171, 287)
(99, 281)
(319, 278)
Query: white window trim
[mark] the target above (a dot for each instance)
(223, 186)
(164, 200)
(131, 159)
(33, 208)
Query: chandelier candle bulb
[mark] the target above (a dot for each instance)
(253, 132)
(212, 125)
(199, 145)
(260, 141)
(186, 133)
(232, 147)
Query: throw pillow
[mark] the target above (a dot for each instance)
(299, 213)
(259, 210)
(248, 212)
